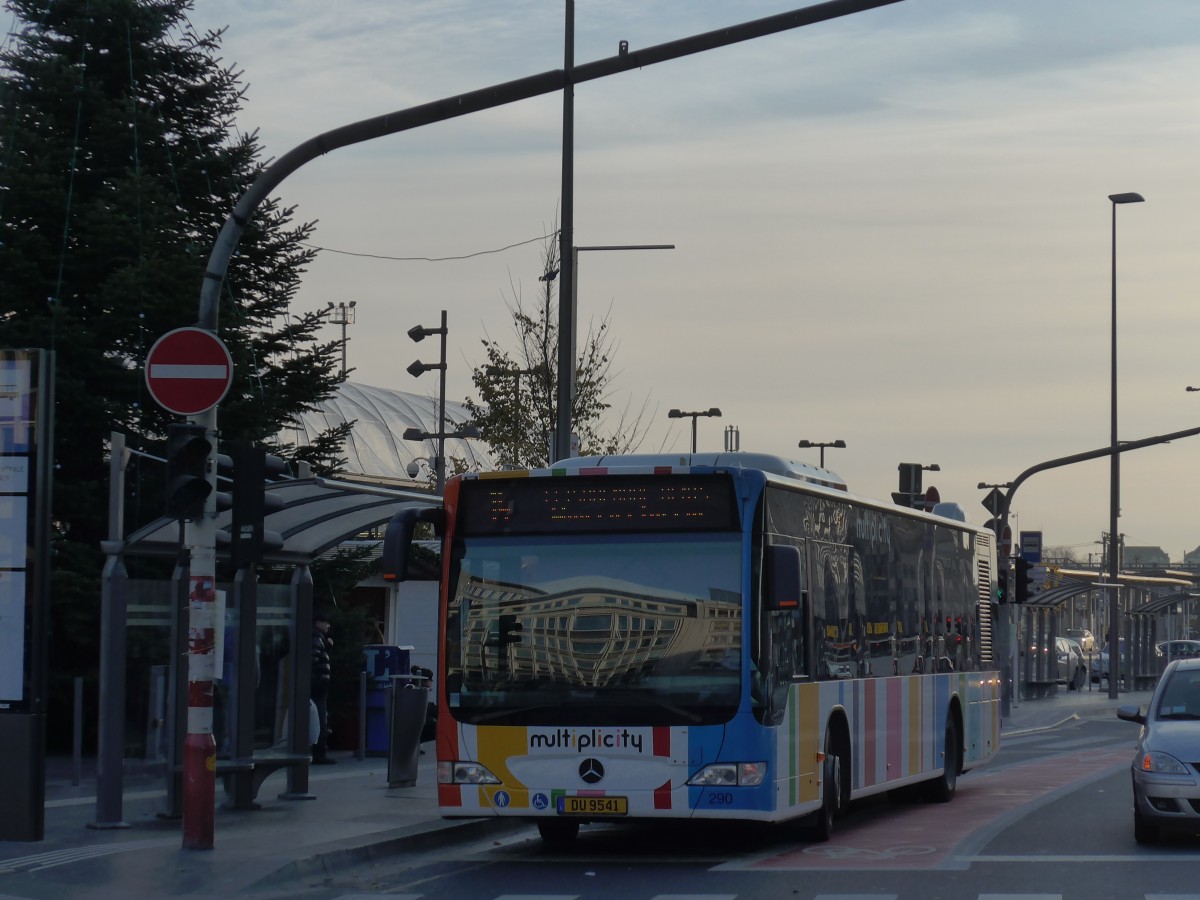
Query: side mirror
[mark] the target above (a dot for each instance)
(1131, 713)
(784, 590)
(398, 537)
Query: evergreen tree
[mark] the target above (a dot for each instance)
(119, 162)
(516, 410)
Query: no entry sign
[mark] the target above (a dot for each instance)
(188, 371)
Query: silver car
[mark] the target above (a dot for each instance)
(1166, 766)
(1072, 667)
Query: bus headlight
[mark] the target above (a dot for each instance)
(464, 773)
(745, 774)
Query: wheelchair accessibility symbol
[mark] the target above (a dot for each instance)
(540, 801)
(501, 799)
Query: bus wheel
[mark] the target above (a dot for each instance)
(831, 795)
(558, 832)
(941, 789)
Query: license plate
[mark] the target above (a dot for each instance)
(593, 806)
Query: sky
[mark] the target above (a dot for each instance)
(891, 229)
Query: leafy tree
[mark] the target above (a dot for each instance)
(516, 411)
(119, 162)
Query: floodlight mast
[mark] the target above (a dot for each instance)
(199, 766)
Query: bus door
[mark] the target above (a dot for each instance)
(782, 634)
(837, 647)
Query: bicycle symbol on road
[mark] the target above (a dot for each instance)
(831, 851)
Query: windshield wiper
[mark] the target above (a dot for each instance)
(476, 718)
(648, 698)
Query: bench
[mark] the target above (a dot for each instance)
(243, 777)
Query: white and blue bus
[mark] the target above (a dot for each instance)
(707, 636)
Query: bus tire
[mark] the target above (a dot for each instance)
(558, 832)
(941, 789)
(821, 829)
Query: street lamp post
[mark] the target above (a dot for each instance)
(567, 318)
(418, 368)
(1114, 505)
(805, 445)
(416, 434)
(342, 314)
(679, 414)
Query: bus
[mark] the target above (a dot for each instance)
(708, 636)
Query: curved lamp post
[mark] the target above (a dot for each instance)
(1114, 505)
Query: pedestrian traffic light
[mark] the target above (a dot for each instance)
(1024, 576)
(251, 503)
(1002, 586)
(188, 450)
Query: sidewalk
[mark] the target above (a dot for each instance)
(1047, 712)
(354, 817)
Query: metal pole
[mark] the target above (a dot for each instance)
(441, 435)
(1114, 490)
(566, 255)
(113, 605)
(694, 418)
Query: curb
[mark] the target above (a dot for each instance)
(386, 845)
(1034, 729)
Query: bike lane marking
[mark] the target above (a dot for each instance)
(925, 835)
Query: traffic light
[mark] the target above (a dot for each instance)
(1024, 586)
(251, 504)
(188, 450)
(910, 485)
(510, 629)
(1002, 586)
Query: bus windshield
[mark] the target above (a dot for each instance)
(594, 629)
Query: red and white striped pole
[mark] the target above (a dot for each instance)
(199, 747)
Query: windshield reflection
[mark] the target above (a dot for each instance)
(644, 630)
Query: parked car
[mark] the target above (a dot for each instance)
(1100, 667)
(1072, 666)
(1179, 649)
(1166, 792)
(1087, 640)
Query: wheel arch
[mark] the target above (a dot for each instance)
(954, 711)
(838, 728)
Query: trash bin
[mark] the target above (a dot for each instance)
(405, 721)
(383, 662)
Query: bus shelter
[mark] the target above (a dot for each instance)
(317, 516)
(1144, 600)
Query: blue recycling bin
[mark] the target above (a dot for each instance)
(383, 663)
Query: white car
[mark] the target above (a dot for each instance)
(1072, 666)
(1087, 641)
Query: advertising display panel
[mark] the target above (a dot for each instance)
(25, 441)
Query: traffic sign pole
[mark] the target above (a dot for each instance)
(188, 372)
(199, 746)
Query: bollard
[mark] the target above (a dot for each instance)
(362, 716)
(77, 735)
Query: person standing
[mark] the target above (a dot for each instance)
(321, 675)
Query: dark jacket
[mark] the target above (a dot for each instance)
(321, 670)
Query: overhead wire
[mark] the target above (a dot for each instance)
(428, 258)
